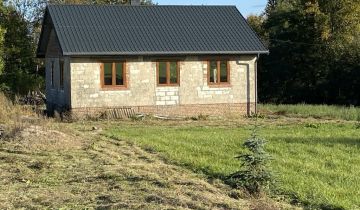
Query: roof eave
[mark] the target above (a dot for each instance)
(164, 53)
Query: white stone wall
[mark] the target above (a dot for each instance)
(86, 91)
(142, 90)
(195, 88)
(167, 96)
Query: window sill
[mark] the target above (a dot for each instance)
(166, 85)
(221, 85)
(114, 88)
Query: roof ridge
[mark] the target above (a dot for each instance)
(120, 5)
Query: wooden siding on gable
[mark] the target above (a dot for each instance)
(53, 49)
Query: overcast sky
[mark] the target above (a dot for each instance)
(246, 7)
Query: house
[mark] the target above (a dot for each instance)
(168, 60)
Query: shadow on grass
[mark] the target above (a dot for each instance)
(326, 141)
(295, 200)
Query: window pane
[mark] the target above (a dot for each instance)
(52, 74)
(213, 71)
(61, 74)
(119, 74)
(173, 73)
(107, 73)
(162, 72)
(223, 71)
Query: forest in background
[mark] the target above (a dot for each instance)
(314, 52)
(314, 49)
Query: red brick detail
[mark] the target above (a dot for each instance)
(238, 109)
(196, 109)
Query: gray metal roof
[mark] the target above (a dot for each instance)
(151, 30)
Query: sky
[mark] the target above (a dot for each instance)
(246, 7)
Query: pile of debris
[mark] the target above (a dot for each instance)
(33, 98)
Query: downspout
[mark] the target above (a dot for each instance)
(256, 82)
(248, 84)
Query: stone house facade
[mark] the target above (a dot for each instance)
(181, 82)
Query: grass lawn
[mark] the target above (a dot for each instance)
(316, 111)
(316, 162)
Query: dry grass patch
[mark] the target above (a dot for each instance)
(14, 118)
(47, 139)
(79, 168)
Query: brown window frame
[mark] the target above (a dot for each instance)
(218, 65)
(113, 68)
(52, 75)
(61, 77)
(168, 73)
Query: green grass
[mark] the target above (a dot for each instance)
(316, 163)
(316, 111)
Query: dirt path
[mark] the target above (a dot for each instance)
(77, 169)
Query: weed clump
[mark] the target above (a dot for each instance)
(254, 176)
(312, 125)
(357, 124)
(200, 117)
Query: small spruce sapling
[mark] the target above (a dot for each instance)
(254, 175)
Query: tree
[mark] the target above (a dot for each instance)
(2, 33)
(342, 24)
(2, 36)
(256, 23)
(20, 69)
(254, 175)
(314, 51)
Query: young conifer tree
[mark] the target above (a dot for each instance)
(254, 175)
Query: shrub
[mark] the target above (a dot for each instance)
(254, 175)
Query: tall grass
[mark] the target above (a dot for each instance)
(315, 111)
(10, 110)
(14, 116)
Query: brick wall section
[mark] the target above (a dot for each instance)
(197, 109)
(167, 96)
(225, 110)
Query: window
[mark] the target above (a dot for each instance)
(113, 75)
(168, 73)
(61, 64)
(218, 72)
(52, 74)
